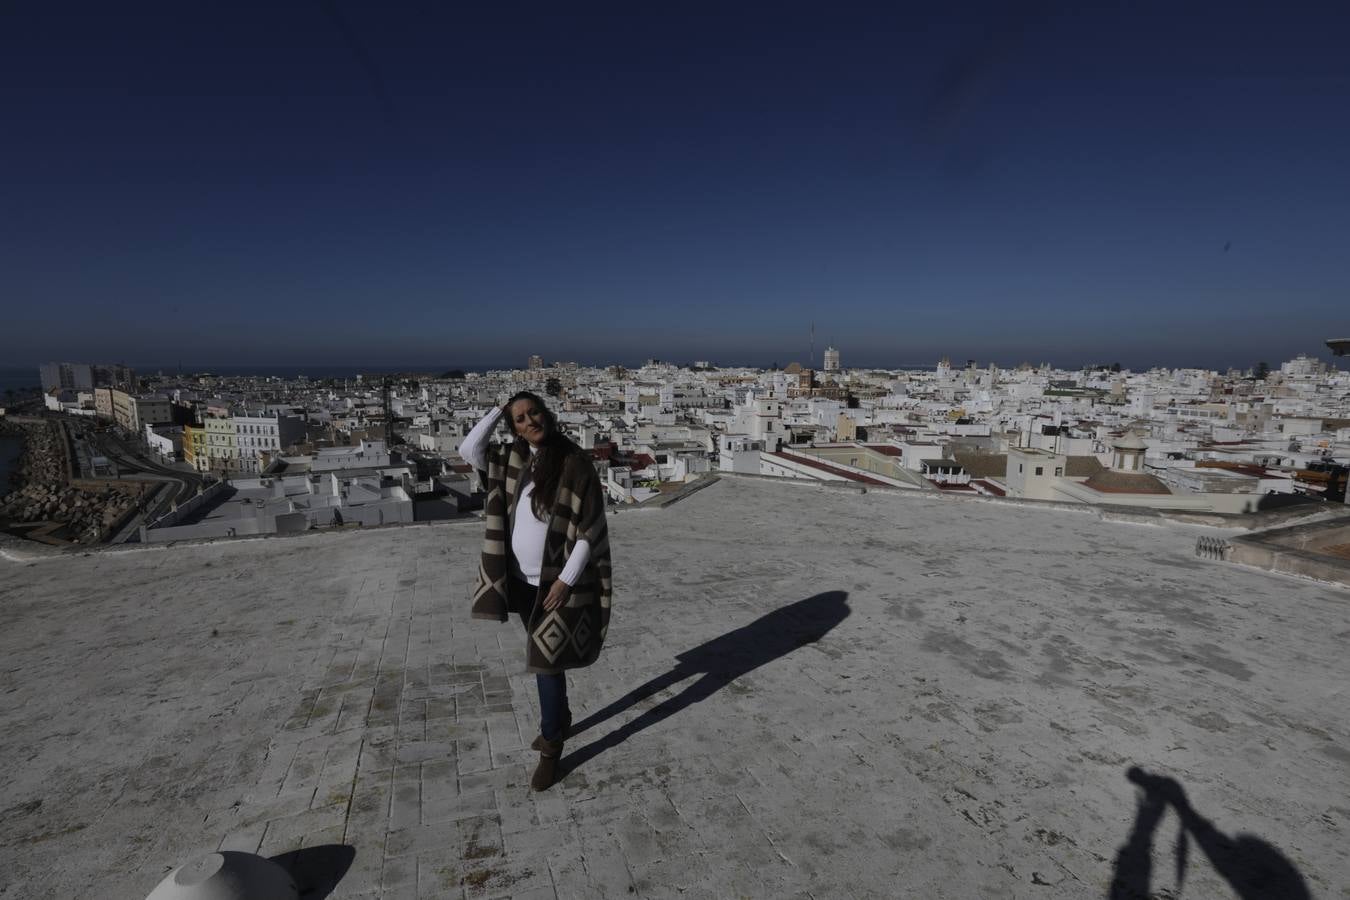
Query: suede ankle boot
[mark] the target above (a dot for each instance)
(566, 732)
(547, 771)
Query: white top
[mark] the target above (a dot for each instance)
(528, 532)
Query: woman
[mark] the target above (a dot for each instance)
(545, 555)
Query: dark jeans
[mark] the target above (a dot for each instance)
(553, 709)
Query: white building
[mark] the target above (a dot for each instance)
(366, 455)
(166, 440)
(255, 435)
(287, 504)
(762, 419)
(1033, 473)
(739, 453)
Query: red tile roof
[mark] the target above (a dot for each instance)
(825, 467)
(990, 487)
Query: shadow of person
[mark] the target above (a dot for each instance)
(718, 662)
(1254, 869)
(317, 870)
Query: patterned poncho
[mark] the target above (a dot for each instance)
(569, 637)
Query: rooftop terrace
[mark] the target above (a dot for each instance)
(806, 692)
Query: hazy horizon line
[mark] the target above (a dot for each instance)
(420, 367)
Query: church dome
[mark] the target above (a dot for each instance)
(1130, 440)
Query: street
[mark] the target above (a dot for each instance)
(131, 459)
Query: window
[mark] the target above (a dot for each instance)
(1059, 471)
(1019, 467)
(1040, 470)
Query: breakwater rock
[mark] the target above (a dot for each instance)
(85, 509)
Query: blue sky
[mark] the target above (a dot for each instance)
(343, 183)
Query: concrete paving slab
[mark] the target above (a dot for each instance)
(805, 693)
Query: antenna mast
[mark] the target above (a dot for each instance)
(388, 415)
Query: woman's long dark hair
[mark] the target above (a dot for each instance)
(549, 460)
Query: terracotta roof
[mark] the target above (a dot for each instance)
(825, 467)
(983, 465)
(1113, 481)
(1080, 466)
(885, 449)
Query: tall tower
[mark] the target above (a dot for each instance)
(1128, 455)
(831, 359)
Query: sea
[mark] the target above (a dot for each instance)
(27, 377)
(18, 379)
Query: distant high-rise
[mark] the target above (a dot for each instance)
(831, 359)
(536, 362)
(66, 376)
(118, 376)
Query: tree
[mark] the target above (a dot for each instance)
(1262, 370)
(1115, 367)
(553, 387)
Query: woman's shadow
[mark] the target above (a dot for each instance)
(718, 662)
(1253, 868)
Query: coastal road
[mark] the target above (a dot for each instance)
(129, 459)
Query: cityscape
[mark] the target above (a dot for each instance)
(1201, 597)
(674, 451)
(173, 457)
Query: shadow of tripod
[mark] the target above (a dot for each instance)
(1253, 868)
(718, 662)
